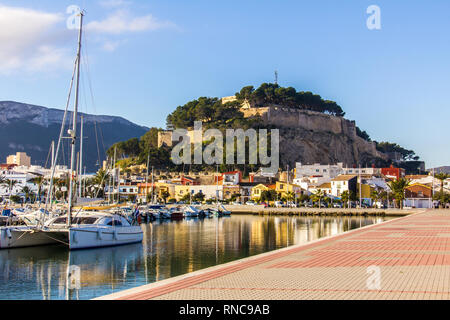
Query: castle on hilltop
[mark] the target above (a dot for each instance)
(284, 117)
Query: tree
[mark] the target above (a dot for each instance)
(164, 195)
(39, 181)
(99, 181)
(442, 176)
(268, 195)
(387, 147)
(9, 183)
(290, 196)
(235, 196)
(398, 188)
(345, 196)
(27, 193)
(317, 197)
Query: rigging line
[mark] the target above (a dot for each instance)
(88, 73)
(55, 160)
(48, 155)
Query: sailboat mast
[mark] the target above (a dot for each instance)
(53, 153)
(146, 179)
(152, 185)
(73, 132)
(80, 180)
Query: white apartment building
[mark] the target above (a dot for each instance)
(362, 171)
(327, 171)
(210, 191)
(23, 180)
(60, 171)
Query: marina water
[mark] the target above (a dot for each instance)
(169, 249)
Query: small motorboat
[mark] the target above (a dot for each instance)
(191, 212)
(176, 213)
(224, 211)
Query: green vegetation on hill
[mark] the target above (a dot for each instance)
(269, 93)
(136, 151)
(216, 114)
(213, 113)
(407, 155)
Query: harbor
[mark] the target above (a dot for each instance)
(409, 255)
(196, 152)
(169, 249)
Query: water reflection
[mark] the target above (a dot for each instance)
(169, 249)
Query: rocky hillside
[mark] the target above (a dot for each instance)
(30, 128)
(314, 137)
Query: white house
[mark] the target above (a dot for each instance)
(210, 191)
(23, 180)
(317, 169)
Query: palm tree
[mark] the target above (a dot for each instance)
(290, 196)
(318, 196)
(442, 176)
(398, 188)
(100, 179)
(39, 181)
(27, 192)
(345, 196)
(9, 183)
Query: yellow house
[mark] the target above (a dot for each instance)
(283, 188)
(163, 187)
(181, 191)
(258, 190)
(366, 191)
(145, 189)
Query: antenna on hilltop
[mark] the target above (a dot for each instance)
(276, 77)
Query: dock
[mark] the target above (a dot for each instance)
(304, 211)
(403, 258)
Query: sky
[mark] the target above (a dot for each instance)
(143, 58)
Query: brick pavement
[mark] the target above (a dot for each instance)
(412, 254)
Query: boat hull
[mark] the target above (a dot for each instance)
(83, 238)
(21, 237)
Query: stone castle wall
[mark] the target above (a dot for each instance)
(308, 136)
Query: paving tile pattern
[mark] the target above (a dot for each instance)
(412, 255)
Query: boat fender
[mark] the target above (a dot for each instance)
(115, 234)
(8, 233)
(99, 234)
(74, 237)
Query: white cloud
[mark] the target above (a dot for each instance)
(121, 21)
(111, 46)
(32, 40)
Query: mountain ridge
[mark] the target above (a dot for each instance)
(31, 128)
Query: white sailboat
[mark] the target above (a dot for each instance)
(89, 229)
(86, 229)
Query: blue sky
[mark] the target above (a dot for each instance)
(148, 57)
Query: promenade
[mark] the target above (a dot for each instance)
(412, 255)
